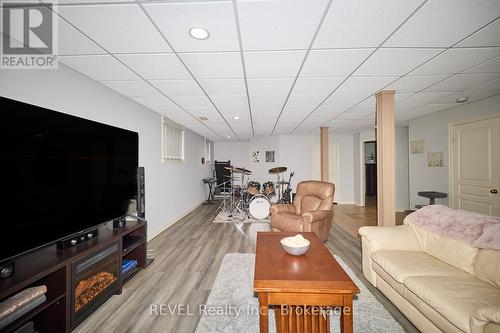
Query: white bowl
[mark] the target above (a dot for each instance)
(295, 250)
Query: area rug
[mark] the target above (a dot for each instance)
(232, 307)
(223, 217)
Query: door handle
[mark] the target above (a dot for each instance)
(494, 191)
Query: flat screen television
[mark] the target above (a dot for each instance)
(60, 175)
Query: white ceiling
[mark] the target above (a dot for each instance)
(285, 66)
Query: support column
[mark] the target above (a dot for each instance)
(324, 154)
(386, 166)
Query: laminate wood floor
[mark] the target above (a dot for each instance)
(187, 259)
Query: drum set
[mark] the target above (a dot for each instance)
(249, 197)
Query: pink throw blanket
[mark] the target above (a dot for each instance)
(478, 230)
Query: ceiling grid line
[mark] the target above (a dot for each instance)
(240, 42)
(366, 59)
(422, 64)
(327, 8)
(138, 75)
(185, 66)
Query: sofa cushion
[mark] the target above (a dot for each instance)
(487, 266)
(455, 298)
(451, 251)
(397, 286)
(402, 264)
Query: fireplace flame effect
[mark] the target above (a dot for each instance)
(88, 289)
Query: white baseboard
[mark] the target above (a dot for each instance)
(175, 220)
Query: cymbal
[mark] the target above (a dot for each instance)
(278, 170)
(243, 171)
(282, 182)
(231, 177)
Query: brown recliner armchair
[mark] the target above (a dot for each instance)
(311, 211)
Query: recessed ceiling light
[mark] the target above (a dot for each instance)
(236, 117)
(462, 99)
(229, 136)
(199, 33)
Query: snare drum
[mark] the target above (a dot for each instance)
(253, 187)
(259, 207)
(268, 189)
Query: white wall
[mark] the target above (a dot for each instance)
(172, 189)
(401, 134)
(294, 152)
(402, 191)
(433, 129)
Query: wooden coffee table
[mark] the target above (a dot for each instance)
(301, 288)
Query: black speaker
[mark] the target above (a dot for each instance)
(6, 270)
(141, 193)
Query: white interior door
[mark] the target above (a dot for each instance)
(333, 165)
(475, 166)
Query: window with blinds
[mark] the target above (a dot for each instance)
(208, 150)
(172, 142)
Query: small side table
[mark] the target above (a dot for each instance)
(432, 195)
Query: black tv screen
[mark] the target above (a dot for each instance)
(61, 175)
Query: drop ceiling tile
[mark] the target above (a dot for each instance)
(273, 25)
(345, 99)
(223, 86)
(395, 62)
(217, 65)
(412, 84)
(192, 101)
(316, 85)
(331, 110)
(348, 116)
(424, 98)
(493, 85)
(264, 64)
(461, 82)
(156, 103)
(267, 100)
(487, 36)
(266, 109)
(132, 88)
(334, 62)
(187, 87)
(175, 20)
(312, 100)
(110, 26)
(73, 42)
(274, 86)
(302, 110)
(445, 22)
(202, 111)
(364, 85)
(456, 60)
(99, 67)
(358, 23)
(470, 94)
(231, 111)
(491, 66)
(164, 66)
(224, 101)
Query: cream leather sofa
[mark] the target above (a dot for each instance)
(439, 284)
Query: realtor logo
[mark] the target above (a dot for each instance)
(29, 38)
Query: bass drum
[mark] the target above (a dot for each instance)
(259, 207)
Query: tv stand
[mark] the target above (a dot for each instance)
(57, 269)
